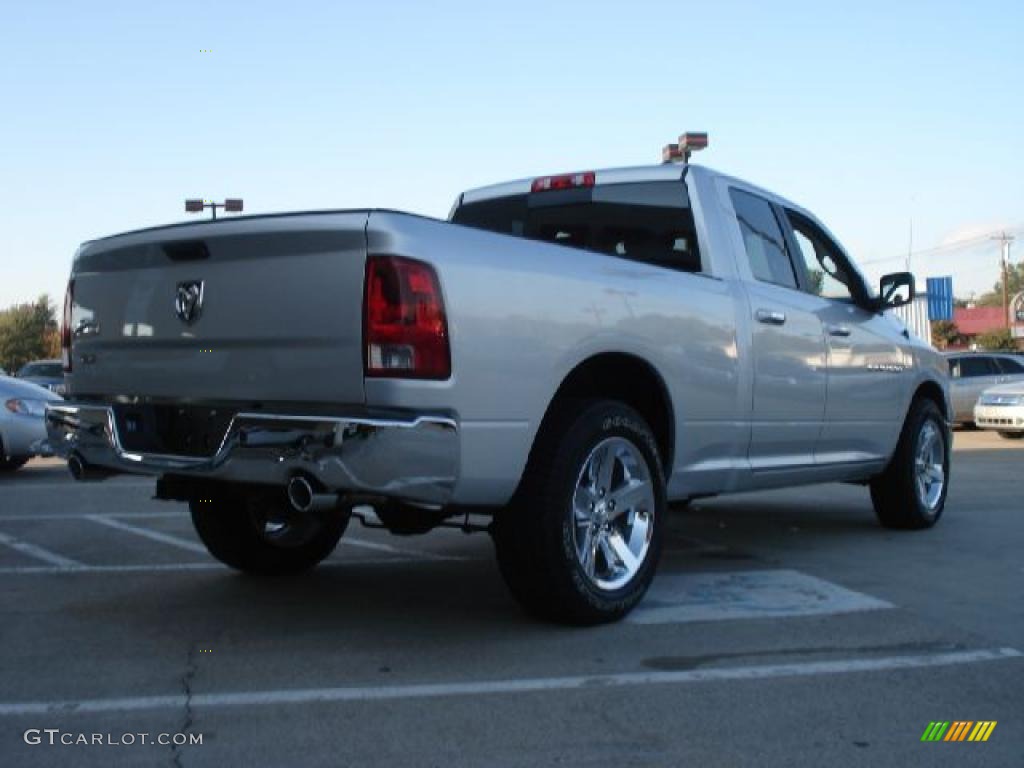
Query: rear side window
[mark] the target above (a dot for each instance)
(763, 239)
(645, 222)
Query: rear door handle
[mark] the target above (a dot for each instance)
(770, 317)
(838, 330)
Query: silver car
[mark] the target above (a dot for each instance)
(1002, 409)
(22, 424)
(971, 373)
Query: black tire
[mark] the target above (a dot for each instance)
(536, 536)
(895, 494)
(234, 528)
(11, 463)
(1011, 435)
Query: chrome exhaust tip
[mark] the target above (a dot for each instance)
(303, 497)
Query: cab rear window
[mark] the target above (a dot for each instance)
(648, 222)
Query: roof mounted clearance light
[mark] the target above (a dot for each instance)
(564, 181)
(688, 143)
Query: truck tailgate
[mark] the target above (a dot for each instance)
(280, 316)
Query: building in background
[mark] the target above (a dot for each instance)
(974, 321)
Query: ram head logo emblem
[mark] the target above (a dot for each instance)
(188, 301)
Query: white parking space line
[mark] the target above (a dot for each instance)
(525, 685)
(716, 596)
(80, 516)
(46, 570)
(191, 546)
(71, 486)
(31, 550)
(163, 538)
(420, 554)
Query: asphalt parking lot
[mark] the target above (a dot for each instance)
(784, 628)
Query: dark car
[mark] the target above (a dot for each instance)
(45, 373)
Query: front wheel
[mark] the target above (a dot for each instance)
(911, 493)
(13, 463)
(1011, 435)
(260, 533)
(581, 541)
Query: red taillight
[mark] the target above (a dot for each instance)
(565, 181)
(404, 326)
(65, 328)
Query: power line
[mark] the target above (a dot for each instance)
(952, 246)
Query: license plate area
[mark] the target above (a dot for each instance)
(174, 430)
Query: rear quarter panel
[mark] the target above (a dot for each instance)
(523, 314)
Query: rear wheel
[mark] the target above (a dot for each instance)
(582, 539)
(1011, 435)
(261, 533)
(911, 493)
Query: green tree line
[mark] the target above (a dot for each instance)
(28, 332)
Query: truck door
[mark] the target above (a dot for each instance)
(868, 360)
(788, 344)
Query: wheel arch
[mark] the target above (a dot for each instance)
(932, 390)
(629, 379)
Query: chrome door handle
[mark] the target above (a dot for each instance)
(838, 330)
(770, 317)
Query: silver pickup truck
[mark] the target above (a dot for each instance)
(566, 356)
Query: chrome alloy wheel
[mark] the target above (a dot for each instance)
(613, 513)
(930, 466)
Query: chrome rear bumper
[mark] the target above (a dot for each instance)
(413, 459)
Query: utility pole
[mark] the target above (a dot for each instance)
(1005, 240)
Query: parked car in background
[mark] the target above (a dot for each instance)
(1002, 409)
(971, 373)
(45, 373)
(22, 423)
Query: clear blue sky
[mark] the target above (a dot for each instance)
(867, 113)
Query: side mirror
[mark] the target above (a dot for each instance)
(895, 290)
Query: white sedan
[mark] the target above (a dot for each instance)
(1002, 409)
(22, 428)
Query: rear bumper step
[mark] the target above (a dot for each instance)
(414, 458)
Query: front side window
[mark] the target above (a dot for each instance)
(763, 239)
(826, 273)
(972, 367)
